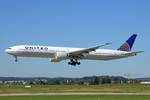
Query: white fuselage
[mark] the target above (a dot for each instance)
(50, 52)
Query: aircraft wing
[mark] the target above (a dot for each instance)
(87, 50)
(133, 53)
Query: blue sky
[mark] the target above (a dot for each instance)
(74, 23)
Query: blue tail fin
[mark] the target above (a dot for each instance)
(127, 46)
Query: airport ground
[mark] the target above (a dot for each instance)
(78, 97)
(76, 92)
(108, 88)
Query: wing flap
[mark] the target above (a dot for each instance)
(87, 50)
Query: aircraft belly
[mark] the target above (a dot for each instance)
(36, 54)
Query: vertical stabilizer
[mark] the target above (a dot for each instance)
(127, 46)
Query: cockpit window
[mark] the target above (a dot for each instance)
(9, 48)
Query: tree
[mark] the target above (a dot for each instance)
(31, 82)
(56, 82)
(116, 80)
(105, 80)
(96, 81)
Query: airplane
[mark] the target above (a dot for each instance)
(57, 54)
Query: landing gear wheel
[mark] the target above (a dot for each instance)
(16, 59)
(78, 63)
(69, 63)
(74, 62)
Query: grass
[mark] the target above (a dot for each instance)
(132, 88)
(79, 97)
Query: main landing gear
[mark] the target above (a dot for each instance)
(74, 62)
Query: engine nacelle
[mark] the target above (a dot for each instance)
(59, 56)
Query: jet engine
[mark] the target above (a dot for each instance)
(59, 56)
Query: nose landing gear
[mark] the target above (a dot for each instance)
(16, 59)
(74, 62)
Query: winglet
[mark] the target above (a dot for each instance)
(127, 46)
(104, 44)
(108, 43)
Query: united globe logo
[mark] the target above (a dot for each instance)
(125, 47)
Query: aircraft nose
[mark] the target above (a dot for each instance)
(7, 51)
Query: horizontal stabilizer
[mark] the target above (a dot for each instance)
(133, 53)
